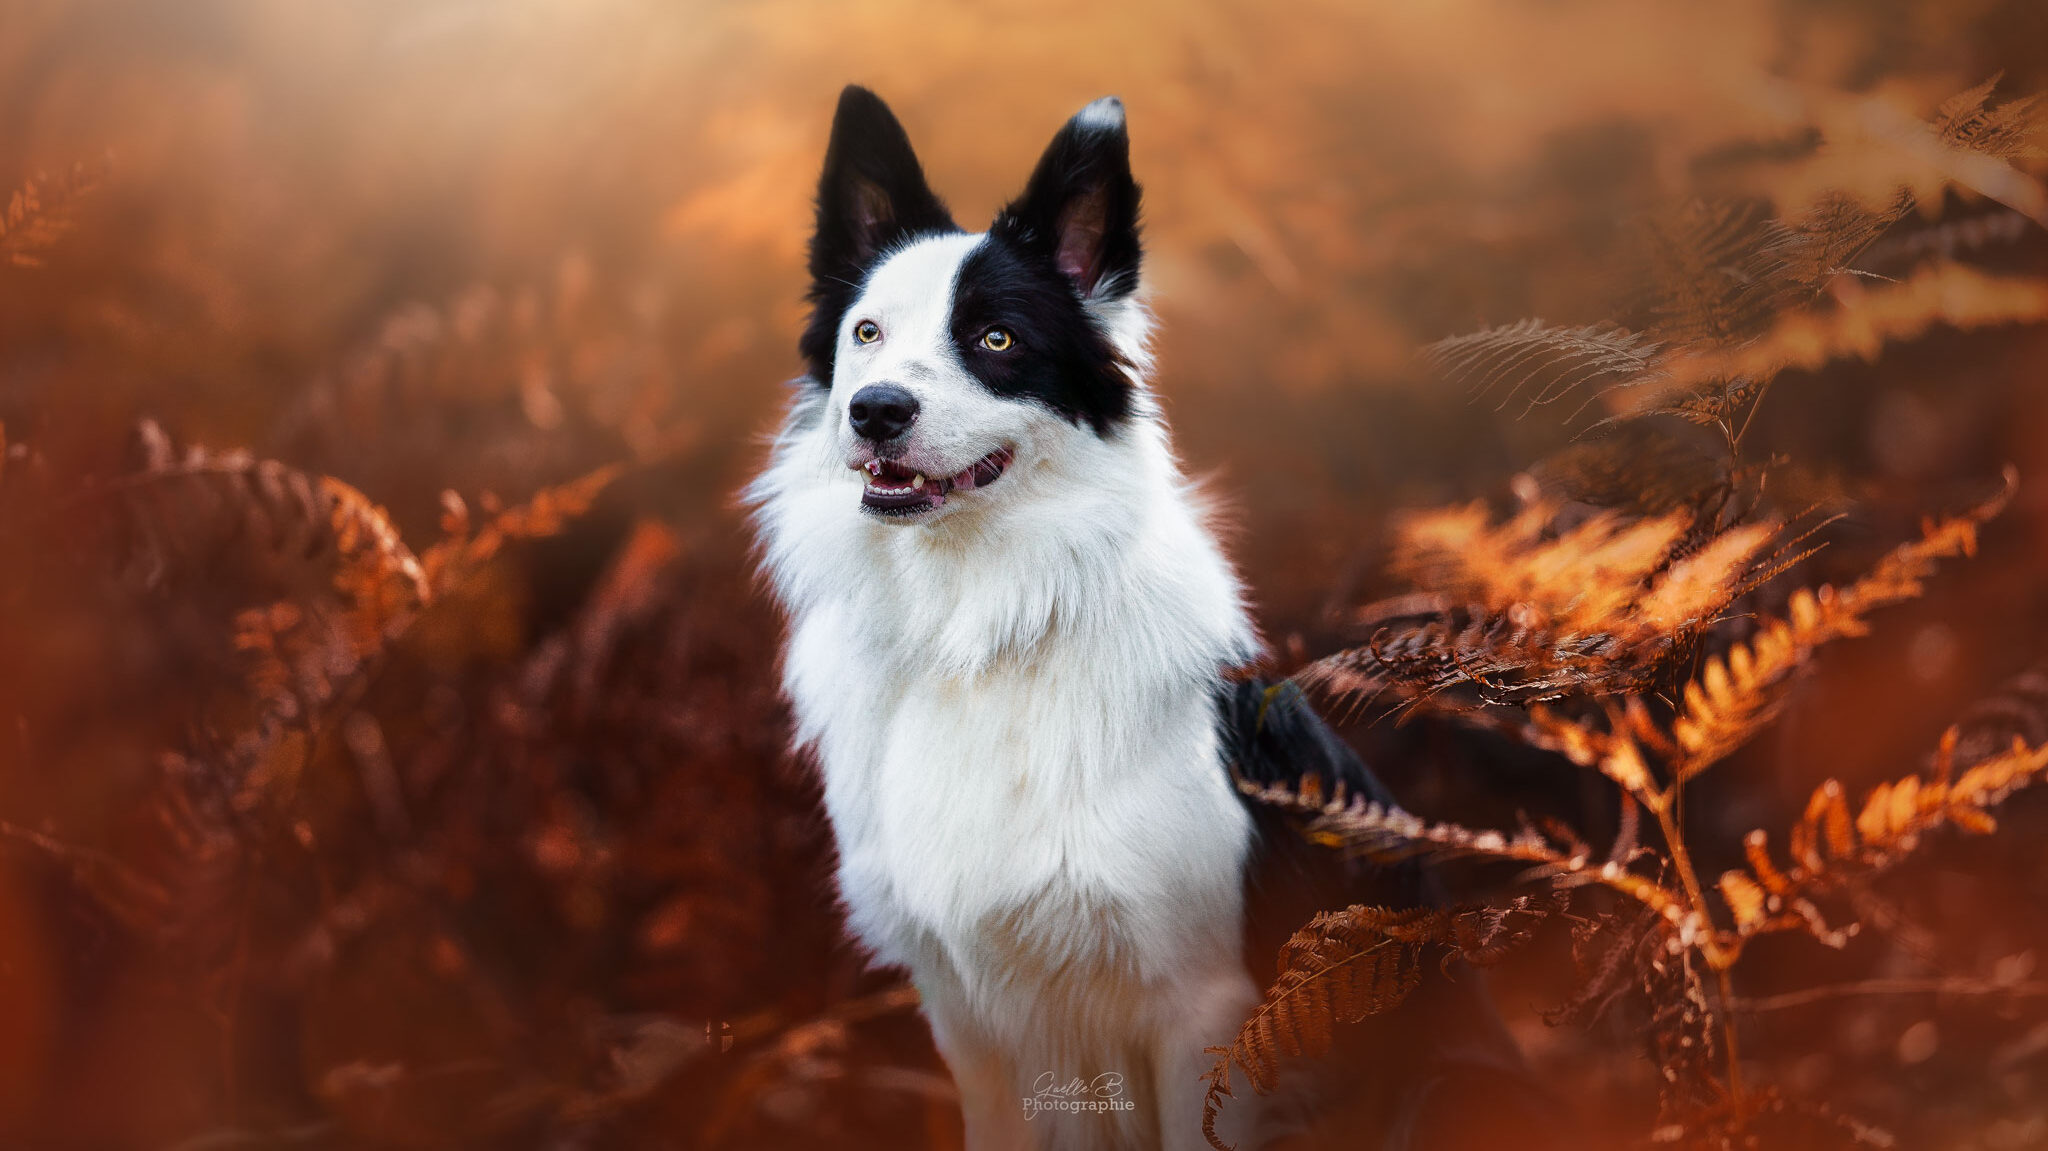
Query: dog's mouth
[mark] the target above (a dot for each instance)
(895, 489)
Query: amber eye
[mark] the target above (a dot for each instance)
(866, 332)
(997, 340)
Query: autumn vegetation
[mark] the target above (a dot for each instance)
(389, 749)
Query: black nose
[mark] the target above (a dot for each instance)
(881, 412)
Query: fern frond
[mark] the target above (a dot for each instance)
(1541, 611)
(2007, 131)
(185, 508)
(1355, 823)
(1831, 842)
(1588, 573)
(42, 211)
(1834, 845)
(1720, 272)
(1716, 272)
(1699, 383)
(1609, 951)
(550, 510)
(1716, 402)
(302, 651)
(1639, 470)
(1345, 966)
(1547, 361)
(352, 586)
(1735, 696)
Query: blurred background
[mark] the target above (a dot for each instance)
(536, 871)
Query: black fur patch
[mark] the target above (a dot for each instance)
(872, 199)
(1060, 358)
(1271, 735)
(1070, 239)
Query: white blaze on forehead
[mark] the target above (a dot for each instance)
(910, 296)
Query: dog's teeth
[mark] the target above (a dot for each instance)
(919, 481)
(874, 467)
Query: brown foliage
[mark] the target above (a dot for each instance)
(1343, 966)
(1609, 633)
(1591, 576)
(1719, 275)
(1529, 611)
(1829, 847)
(41, 211)
(338, 809)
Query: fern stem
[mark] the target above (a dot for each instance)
(1659, 803)
(1728, 1039)
(1720, 959)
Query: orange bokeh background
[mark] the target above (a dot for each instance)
(488, 246)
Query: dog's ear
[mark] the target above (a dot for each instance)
(872, 193)
(871, 196)
(1080, 209)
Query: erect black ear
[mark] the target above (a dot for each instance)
(1081, 208)
(871, 196)
(872, 193)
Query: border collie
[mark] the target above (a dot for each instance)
(1011, 630)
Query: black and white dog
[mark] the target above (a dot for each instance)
(1010, 628)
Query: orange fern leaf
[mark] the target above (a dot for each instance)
(546, 514)
(1343, 967)
(1832, 842)
(1524, 610)
(1734, 698)
(42, 211)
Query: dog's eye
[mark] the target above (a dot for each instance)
(866, 332)
(996, 340)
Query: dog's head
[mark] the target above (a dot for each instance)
(948, 360)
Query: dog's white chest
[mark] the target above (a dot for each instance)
(1037, 816)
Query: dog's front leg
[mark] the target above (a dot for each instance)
(1213, 1011)
(989, 1101)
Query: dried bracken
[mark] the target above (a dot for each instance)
(1598, 574)
(1608, 632)
(405, 767)
(1729, 291)
(1547, 362)
(1527, 611)
(42, 211)
(1344, 966)
(1829, 845)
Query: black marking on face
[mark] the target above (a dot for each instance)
(1070, 240)
(872, 199)
(1057, 356)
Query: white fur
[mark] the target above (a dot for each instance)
(1011, 700)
